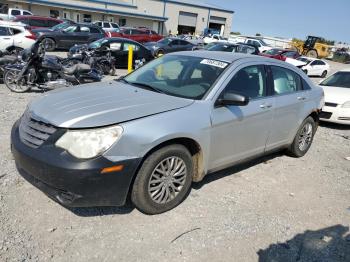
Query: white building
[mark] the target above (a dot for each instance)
(163, 16)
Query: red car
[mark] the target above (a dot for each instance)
(37, 21)
(141, 35)
(281, 54)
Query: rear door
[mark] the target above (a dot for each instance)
(239, 132)
(6, 40)
(289, 99)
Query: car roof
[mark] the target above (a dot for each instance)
(226, 56)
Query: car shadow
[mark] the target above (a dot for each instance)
(334, 126)
(101, 211)
(232, 170)
(331, 244)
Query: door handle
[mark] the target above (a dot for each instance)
(301, 98)
(265, 106)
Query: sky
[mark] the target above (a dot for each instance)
(290, 18)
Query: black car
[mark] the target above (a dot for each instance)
(169, 45)
(70, 35)
(119, 48)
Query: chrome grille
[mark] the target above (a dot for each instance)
(34, 133)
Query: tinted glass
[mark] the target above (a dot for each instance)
(114, 25)
(285, 80)
(52, 23)
(15, 12)
(106, 25)
(94, 30)
(273, 52)
(289, 54)
(98, 43)
(339, 79)
(3, 31)
(26, 13)
(321, 62)
(249, 81)
(183, 76)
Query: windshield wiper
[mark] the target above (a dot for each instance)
(147, 86)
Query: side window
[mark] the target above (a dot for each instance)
(306, 86)
(175, 42)
(321, 62)
(126, 47)
(314, 63)
(38, 23)
(216, 37)
(114, 25)
(249, 81)
(183, 42)
(26, 13)
(15, 12)
(84, 29)
(285, 80)
(99, 24)
(14, 31)
(94, 30)
(3, 31)
(106, 25)
(52, 23)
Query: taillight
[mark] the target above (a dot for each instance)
(31, 35)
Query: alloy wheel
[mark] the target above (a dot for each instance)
(305, 137)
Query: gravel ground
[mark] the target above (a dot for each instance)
(276, 208)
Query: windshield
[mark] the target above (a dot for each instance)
(305, 60)
(339, 79)
(263, 42)
(225, 48)
(98, 43)
(70, 29)
(183, 76)
(60, 26)
(273, 52)
(164, 41)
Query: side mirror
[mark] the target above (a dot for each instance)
(232, 99)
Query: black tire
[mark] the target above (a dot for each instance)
(324, 74)
(49, 44)
(9, 80)
(141, 192)
(297, 149)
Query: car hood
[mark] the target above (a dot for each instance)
(101, 104)
(335, 94)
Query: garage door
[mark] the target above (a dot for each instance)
(187, 19)
(217, 20)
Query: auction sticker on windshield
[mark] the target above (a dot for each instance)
(214, 63)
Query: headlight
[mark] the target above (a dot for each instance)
(89, 143)
(346, 104)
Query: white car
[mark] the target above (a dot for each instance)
(259, 43)
(337, 98)
(314, 66)
(15, 37)
(108, 26)
(10, 13)
(212, 39)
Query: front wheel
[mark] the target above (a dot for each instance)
(11, 83)
(164, 180)
(303, 139)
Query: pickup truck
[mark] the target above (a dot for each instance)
(11, 13)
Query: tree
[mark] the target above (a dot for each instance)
(235, 33)
(257, 34)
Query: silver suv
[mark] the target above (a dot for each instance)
(173, 121)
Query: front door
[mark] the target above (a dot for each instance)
(239, 132)
(290, 97)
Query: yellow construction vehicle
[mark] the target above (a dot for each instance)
(311, 47)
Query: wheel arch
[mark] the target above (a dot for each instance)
(193, 147)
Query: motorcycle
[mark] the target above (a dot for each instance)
(45, 72)
(100, 59)
(5, 60)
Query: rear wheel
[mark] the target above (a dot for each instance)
(303, 139)
(49, 44)
(312, 53)
(10, 81)
(324, 74)
(164, 180)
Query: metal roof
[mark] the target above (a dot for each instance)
(197, 3)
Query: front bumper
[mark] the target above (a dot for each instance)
(70, 181)
(336, 114)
